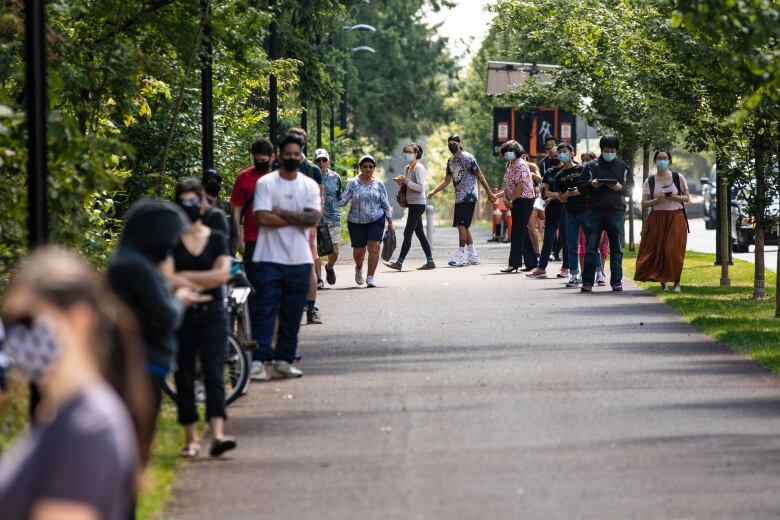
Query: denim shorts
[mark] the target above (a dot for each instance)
(361, 234)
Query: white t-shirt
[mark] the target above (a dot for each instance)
(288, 245)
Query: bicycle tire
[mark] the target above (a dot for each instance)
(237, 367)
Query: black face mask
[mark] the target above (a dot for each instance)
(291, 164)
(192, 208)
(212, 188)
(262, 166)
(454, 147)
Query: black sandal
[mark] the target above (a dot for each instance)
(220, 446)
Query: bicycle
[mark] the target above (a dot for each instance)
(238, 361)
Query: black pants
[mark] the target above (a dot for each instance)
(414, 226)
(554, 215)
(204, 335)
(522, 247)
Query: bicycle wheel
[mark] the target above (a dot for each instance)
(237, 366)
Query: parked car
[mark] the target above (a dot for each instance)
(742, 225)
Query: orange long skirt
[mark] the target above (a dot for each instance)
(662, 249)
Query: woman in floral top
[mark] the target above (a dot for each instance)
(366, 219)
(519, 195)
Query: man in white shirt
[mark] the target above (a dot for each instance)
(287, 205)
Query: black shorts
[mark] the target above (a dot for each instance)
(464, 212)
(361, 234)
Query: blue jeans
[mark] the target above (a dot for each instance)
(573, 223)
(554, 215)
(595, 223)
(280, 293)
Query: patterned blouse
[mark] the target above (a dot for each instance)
(369, 201)
(517, 181)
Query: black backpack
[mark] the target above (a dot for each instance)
(676, 181)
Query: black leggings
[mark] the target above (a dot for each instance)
(414, 225)
(522, 246)
(203, 334)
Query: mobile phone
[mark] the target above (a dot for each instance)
(667, 194)
(573, 188)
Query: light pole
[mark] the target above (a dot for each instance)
(273, 101)
(207, 93)
(345, 99)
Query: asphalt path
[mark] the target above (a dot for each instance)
(461, 393)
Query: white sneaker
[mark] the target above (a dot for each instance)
(370, 281)
(601, 280)
(473, 260)
(285, 370)
(259, 372)
(574, 281)
(458, 260)
(359, 276)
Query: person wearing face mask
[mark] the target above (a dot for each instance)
(546, 162)
(555, 210)
(219, 215)
(414, 180)
(464, 172)
(665, 234)
(243, 194)
(84, 454)
(201, 258)
(287, 205)
(519, 195)
(606, 182)
(139, 271)
(369, 209)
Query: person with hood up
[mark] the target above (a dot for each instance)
(135, 274)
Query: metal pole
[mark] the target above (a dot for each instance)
(207, 94)
(273, 50)
(344, 100)
(429, 222)
(332, 125)
(37, 104)
(319, 126)
(305, 124)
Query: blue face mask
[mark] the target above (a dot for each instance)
(609, 156)
(510, 156)
(564, 157)
(408, 157)
(662, 164)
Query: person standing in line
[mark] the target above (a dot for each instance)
(201, 258)
(366, 219)
(546, 161)
(519, 195)
(139, 271)
(242, 199)
(331, 214)
(606, 181)
(219, 215)
(287, 205)
(313, 172)
(463, 171)
(566, 187)
(555, 211)
(84, 455)
(414, 180)
(665, 235)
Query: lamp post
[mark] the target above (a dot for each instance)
(37, 104)
(207, 92)
(345, 99)
(273, 101)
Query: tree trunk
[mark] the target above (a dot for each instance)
(723, 213)
(759, 148)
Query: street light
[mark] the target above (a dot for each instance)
(362, 48)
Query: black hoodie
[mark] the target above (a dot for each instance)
(603, 198)
(151, 228)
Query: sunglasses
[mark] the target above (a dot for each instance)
(320, 160)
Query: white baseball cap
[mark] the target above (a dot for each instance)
(319, 153)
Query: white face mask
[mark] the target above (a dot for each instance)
(609, 156)
(33, 349)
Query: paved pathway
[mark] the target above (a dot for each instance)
(465, 394)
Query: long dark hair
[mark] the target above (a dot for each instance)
(63, 279)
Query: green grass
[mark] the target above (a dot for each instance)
(160, 475)
(727, 314)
